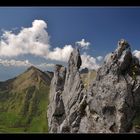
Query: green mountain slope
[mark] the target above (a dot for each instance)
(23, 102)
(87, 77)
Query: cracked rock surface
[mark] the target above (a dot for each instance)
(110, 103)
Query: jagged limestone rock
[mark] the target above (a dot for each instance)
(109, 104)
(56, 112)
(71, 97)
(113, 98)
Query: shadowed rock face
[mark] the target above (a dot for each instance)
(109, 104)
(65, 106)
(56, 112)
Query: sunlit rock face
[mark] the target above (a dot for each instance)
(109, 105)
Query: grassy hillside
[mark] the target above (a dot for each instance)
(88, 77)
(23, 102)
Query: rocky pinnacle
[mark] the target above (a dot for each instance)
(110, 103)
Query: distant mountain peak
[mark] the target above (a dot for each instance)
(32, 76)
(25, 96)
(32, 68)
(84, 70)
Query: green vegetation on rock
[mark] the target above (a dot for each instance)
(88, 77)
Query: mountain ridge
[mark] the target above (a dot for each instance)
(23, 100)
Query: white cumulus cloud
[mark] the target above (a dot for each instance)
(83, 44)
(61, 54)
(16, 63)
(45, 65)
(89, 62)
(136, 53)
(99, 58)
(23, 63)
(33, 40)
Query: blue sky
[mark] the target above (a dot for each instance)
(101, 27)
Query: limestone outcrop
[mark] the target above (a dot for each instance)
(109, 105)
